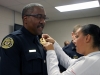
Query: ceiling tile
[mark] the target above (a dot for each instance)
(49, 5)
(9, 2)
(91, 12)
(28, 1)
(17, 8)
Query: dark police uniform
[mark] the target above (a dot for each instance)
(70, 50)
(22, 54)
(0, 60)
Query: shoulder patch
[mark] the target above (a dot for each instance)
(7, 43)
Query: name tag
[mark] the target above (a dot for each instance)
(32, 50)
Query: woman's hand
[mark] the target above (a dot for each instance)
(48, 46)
(48, 38)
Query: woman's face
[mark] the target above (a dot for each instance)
(79, 41)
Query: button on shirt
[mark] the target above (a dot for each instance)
(85, 65)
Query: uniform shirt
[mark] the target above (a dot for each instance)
(22, 54)
(0, 60)
(85, 65)
(70, 50)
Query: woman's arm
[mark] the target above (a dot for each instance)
(64, 59)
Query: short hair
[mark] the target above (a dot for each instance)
(76, 27)
(29, 8)
(66, 43)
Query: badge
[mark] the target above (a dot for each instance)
(42, 41)
(7, 43)
(75, 57)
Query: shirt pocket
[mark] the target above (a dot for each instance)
(34, 63)
(32, 56)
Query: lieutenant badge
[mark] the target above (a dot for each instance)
(42, 41)
(7, 43)
(75, 57)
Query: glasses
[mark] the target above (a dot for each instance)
(39, 16)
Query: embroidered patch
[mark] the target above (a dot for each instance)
(7, 43)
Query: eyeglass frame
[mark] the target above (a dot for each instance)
(39, 16)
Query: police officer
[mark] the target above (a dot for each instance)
(0, 60)
(70, 49)
(22, 53)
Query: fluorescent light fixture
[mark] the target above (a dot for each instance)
(79, 6)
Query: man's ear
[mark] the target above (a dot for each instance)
(25, 19)
(88, 38)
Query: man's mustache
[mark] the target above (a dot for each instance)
(41, 25)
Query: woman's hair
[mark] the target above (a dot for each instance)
(94, 31)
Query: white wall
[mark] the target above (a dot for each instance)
(59, 30)
(18, 18)
(7, 19)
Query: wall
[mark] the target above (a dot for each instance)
(61, 30)
(7, 19)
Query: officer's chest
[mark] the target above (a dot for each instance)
(30, 48)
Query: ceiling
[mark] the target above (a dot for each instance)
(51, 12)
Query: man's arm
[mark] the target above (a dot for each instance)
(10, 56)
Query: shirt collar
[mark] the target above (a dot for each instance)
(27, 33)
(93, 53)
